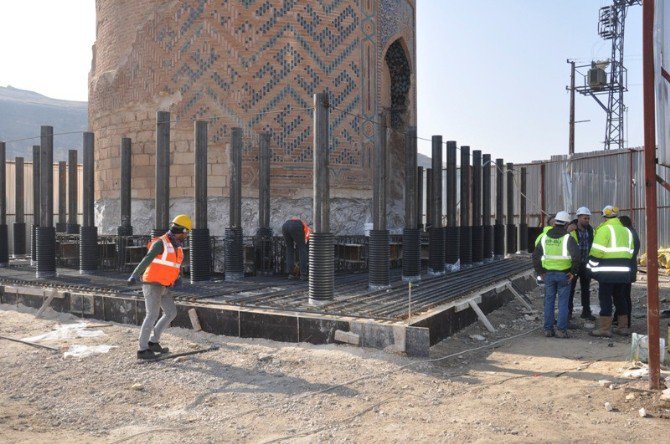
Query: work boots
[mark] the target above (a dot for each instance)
(605, 327)
(623, 326)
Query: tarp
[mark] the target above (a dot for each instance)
(662, 78)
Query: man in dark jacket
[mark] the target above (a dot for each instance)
(626, 222)
(556, 259)
(584, 234)
(296, 235)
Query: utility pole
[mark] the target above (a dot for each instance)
(571, 143)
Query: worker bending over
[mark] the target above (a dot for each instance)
(160, 270)
(556, 259)
(296, 235)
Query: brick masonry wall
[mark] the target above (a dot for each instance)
(253, 64)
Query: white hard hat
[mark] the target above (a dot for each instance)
(583, 211)
(562, 217)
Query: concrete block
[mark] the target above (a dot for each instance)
(347, 337)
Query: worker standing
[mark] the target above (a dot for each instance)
(161, 271)
(584, 232)
(628, 223)
(296, 236)
(609, 263)
(556, 259)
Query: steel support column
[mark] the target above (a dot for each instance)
(61, 225)
(72, 193)
(19, 210)
(201, 249)
(511, 227)
(4, 233)
(486, 208)
(436, 232)
(523, 221)
(162, 199)
(477, 228)
(234, 253)
(411, 236)
(88, 232)
(465, 250)
(46, 233)
(126, 227)
(499, 228)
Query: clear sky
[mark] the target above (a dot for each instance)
(491, 74)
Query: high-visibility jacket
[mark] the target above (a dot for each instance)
(164, 269)
(546, 229)
(555, 255)
(611, 252)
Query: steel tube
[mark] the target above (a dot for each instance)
(411, 236)
(19, 209)
(61, 225)
(378, 252)
(486, 207)
(477, 227)
(523, 222)
(126, 227)
(511, 227)
(429, 198)
(499, 228)
(46, 234)
(4, 238)
(321, 254)
(162, 188)
(234, 261)
(452, 231)
(36, 204)
(264, 181)
(73, 192)
(436, 232)
(465, 250)
(88, 232)
(201, 253)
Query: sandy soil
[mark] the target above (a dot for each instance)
(524, 388)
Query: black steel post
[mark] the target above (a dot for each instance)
(419, 198)
(429, 198)
(73, 193)
(4, 233)
(511, 227)
(19, 209)
(126, 227)
(234, 259)
(162, 205)
(499, 228)
(61, 225)
(201, 249)
(411, 235)
(436, 232)
(477, 228)
(378, 254)
(486, 208)
(263, 239)
(36, 205)
(465, 228)
(523, 222)
(46, 233)
(451, 231)
(321, 254)
(88, 232)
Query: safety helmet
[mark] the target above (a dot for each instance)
(562, 218)
(183, 221)
(610, 211)
(583, 211)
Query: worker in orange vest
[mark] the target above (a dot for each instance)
(161, 271)
(296, 235)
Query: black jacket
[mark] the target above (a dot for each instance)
(636, 251)
(573, 250)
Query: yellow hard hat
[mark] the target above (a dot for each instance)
(183, 221)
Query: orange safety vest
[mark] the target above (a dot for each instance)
(305, 229)
(164, 269)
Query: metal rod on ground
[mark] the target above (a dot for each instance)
(36, 205)
(409, 303)
(88, 232)
(499, 228)
(126, 227)
(4, 234)
(73, 193)
(32, 344)
(511, 227)
(436, 233)
(452, 230)
(162, 188)
(523, 222)
(61, 225)
(486, 207)
(263, 239)
(477, 228)
(321, 255)
(46, 233)
(19, 209)
(234, 262)
(651, 212)
(378, 260)
(201, 250)
(419, 198)
(411, 235)
(465, 250)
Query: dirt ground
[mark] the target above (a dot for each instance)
(512, 386)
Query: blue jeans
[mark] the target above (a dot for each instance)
(556, 283)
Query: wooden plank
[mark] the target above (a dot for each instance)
(482, 317)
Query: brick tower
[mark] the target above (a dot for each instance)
(253, 64)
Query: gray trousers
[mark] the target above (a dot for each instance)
(155, 298)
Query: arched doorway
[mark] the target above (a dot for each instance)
(396, 88)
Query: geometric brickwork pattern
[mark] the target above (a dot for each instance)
(249, 63)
